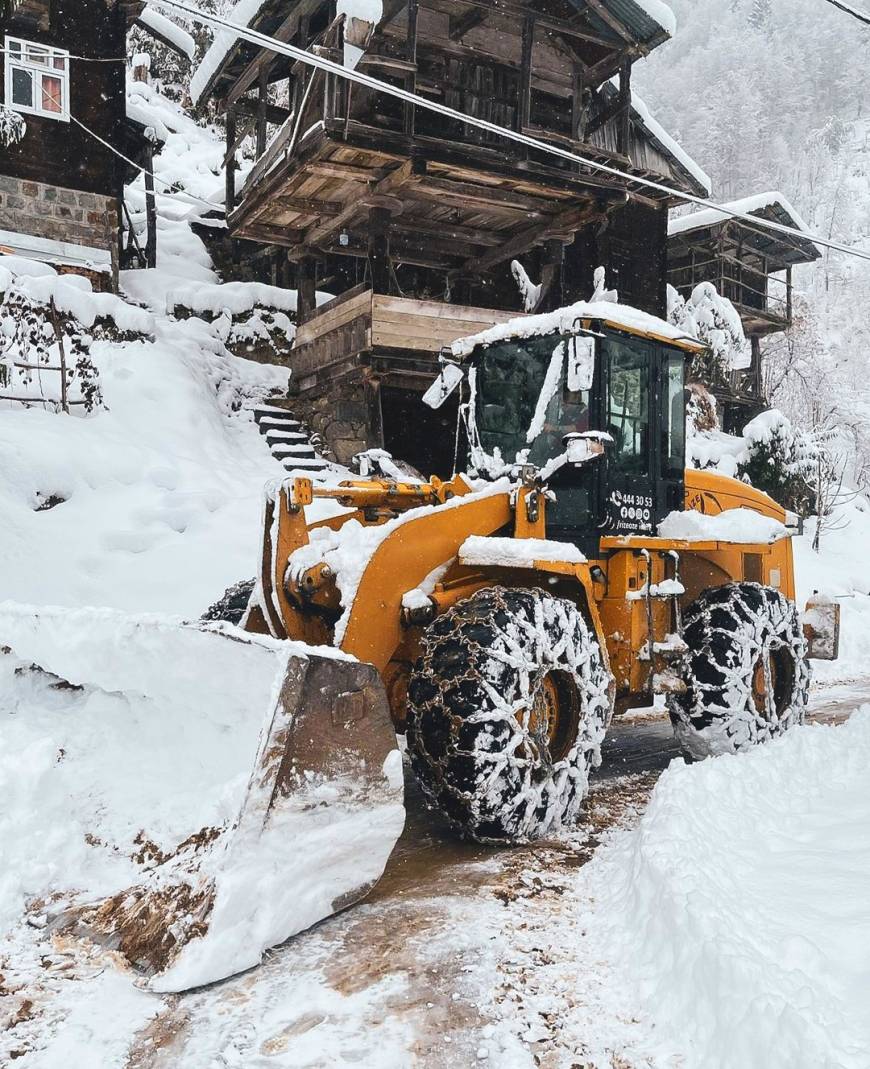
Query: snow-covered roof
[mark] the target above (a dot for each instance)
(617, 316)
(47, 250)
(168, 31)
(244, 12)
(748, 206)
(771, 205)
(672, 147)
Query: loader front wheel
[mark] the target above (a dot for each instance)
(746, 672)
(507, 709)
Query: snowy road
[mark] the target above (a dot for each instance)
(462, 956)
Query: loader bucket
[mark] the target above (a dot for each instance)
(297, 742)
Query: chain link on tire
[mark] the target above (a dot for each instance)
(746, 671)
(508, 706)
(233, 605)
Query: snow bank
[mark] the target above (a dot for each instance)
(739, 904)
(734, 525)
(71, 295)
(86, 773)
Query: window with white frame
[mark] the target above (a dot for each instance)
(37, 79)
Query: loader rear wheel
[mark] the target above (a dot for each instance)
(507, 709)
(746, 673)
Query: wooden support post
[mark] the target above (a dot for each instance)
(375, 414)
(411, 80)
(789, 296)
(623, 135)
(231, 162)
(150, 209)
(306, 284)
(578, 104)
(379, 249)
(524, 110)
(262, 112)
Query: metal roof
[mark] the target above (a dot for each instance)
(643, 27)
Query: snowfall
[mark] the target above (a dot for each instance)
(724, 923)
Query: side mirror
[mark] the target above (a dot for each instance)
(581, 363)
(446, 383)
(581, 448)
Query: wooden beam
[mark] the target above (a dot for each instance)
(524, 110)
(303, 10)
(530, 236)
(263, 112)
(623, 133)
(347, 172)
(307, 204)
(306, 284)
(411, 78)
(607, 16)
(230, 198)
(516, 10)
(460, 25)
(275, 114)
(387, 185)
(482, 196)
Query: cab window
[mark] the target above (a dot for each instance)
(628, 406)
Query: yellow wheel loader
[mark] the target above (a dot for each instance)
(498, 620)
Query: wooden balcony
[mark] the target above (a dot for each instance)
(396, 338)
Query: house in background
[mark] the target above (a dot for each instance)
(413, 219)
(61, 186)
(753, 268)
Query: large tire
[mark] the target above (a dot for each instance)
(746, 671)
(508, 706)
(232, 607)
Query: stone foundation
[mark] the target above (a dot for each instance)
(58, 214)
(340, 418)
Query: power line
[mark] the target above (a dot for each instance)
(861, 16)
(272, 44)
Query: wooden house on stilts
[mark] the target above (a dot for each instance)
(412, 218)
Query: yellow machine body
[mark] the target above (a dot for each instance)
(424, 529)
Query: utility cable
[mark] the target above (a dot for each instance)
(272, 44)
(861, 16)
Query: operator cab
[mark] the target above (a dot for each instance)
(530, 394)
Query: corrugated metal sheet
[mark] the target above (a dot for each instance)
(635, 19)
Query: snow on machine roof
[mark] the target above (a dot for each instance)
(616, 316)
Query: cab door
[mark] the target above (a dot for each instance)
(630, 483)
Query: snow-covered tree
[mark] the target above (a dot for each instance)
(712, 319)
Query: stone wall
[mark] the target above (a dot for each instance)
(46, 211)
(340, 419)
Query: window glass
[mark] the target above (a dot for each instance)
(674, 430)
(52, 90)
(37, 55)
(628, 406)
(521, 394)
(22, 88)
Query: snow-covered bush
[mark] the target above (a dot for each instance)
(712, 319)
(780, 460)
(34, 339)
(12, 126)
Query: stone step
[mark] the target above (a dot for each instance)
(294, 451)
(290, 437)
(263, 413)
(313, 464)
(269, 424)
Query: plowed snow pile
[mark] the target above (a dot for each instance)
(741, 904)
